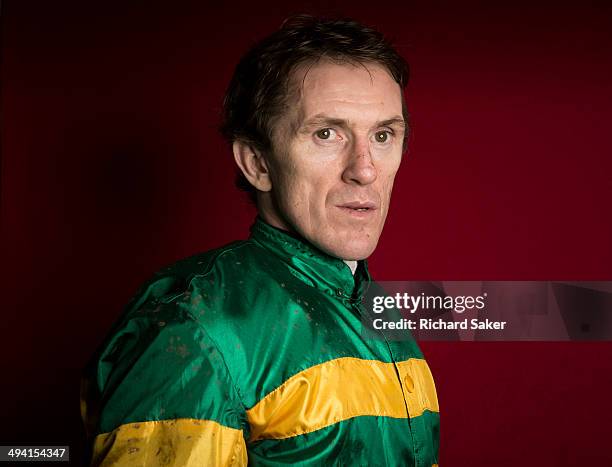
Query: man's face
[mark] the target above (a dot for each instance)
(336, 153)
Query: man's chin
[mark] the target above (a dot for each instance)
(354, 250)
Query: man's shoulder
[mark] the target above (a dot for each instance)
(186, 296)
(195, 280)
(238, 255)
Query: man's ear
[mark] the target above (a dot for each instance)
(253, 165)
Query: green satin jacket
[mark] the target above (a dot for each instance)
(254, 353)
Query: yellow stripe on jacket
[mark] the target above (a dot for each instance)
(181, 442)
(340, 389)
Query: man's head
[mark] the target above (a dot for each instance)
(317, 119)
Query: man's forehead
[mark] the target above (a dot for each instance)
(335, 88)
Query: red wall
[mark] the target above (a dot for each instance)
(112, 167)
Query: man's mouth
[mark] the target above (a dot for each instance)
(358, 206)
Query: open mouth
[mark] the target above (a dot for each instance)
(358, 207)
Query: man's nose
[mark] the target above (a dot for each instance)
(360, 167)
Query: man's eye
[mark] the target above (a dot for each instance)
(381, 136)
(325, 133)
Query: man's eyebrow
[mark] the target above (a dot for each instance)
(393, 121)
(322, 119)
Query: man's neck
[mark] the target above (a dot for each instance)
(352, 264)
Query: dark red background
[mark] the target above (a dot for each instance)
(112, 167)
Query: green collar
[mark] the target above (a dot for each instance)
(311, 265)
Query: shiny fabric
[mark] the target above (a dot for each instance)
(263, 338)
(171, 442)
(318, 396)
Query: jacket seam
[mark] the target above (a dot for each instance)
(207, 334)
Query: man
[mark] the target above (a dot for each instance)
(253, 353)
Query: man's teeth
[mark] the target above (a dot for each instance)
(361, 209)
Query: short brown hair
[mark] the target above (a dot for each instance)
(259, 88)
